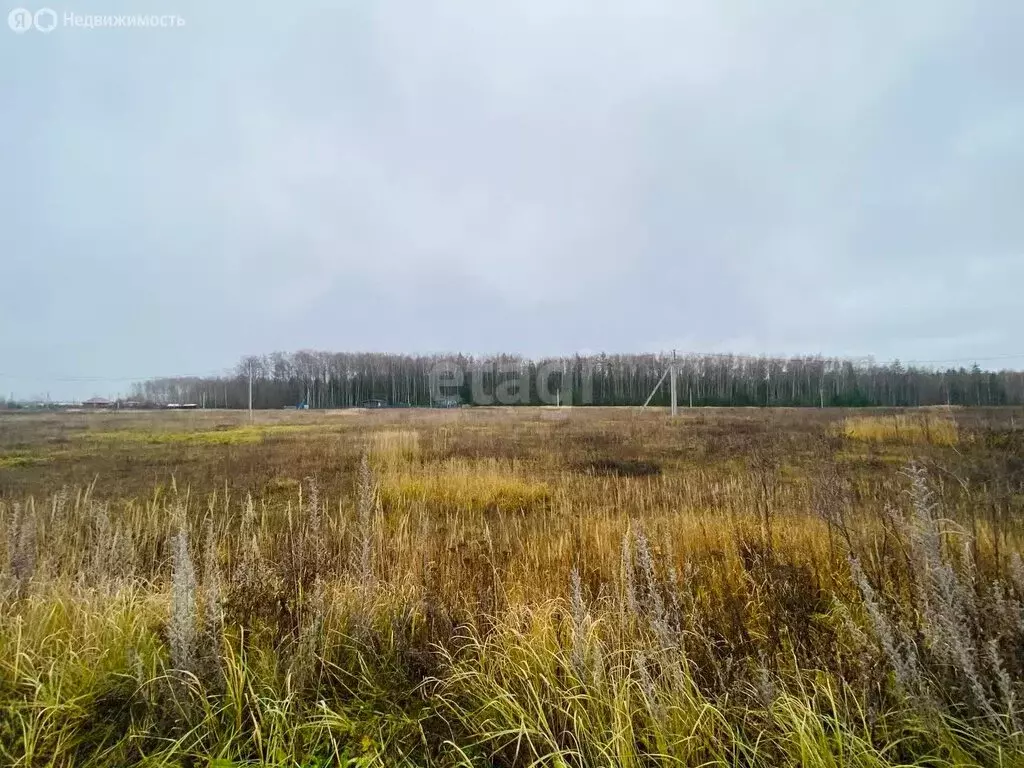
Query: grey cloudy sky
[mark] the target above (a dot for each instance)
(538, 177)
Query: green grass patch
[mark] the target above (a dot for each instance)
(231, 436)
(17, 460)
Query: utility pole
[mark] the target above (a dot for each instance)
(250, 392)
(653, 391)
(673, 383)
(562, 381)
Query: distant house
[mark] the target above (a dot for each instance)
(97, 403)
(375, 403)
(448, 402)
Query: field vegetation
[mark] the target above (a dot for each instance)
(513, 587)
(914, 429)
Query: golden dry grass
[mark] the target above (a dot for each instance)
(394, 447)
(462, 484)
(503, 588)
(904, 429)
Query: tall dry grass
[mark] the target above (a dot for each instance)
(923, 427)
(743, 602)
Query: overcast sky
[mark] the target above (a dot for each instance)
(536, 177)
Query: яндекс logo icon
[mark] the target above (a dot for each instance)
(20, 20)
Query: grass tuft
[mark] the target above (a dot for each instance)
(903, 429)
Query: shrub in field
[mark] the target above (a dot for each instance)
(952, 640)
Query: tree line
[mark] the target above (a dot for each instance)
(339, 380)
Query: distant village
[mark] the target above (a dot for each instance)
(104, 404)
(92, 404)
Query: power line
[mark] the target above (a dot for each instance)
(965, 359)
(64, 378)
(901, 361)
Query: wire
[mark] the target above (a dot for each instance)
(967, 359)
(111, 378)
(859, 358)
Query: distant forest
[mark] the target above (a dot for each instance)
(339, 380)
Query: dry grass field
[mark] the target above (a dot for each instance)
(512, 587)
